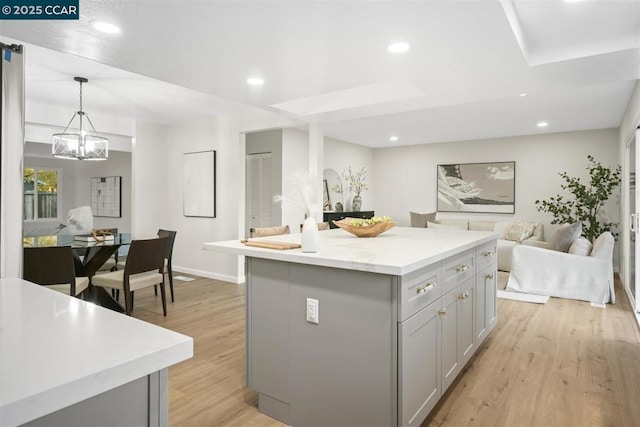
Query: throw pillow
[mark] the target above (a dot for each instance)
(603, 246)
(520, 230)
(565, 236)
(420, 220)
(439, 226)
(581, 247)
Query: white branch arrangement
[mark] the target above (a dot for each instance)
(306, 193)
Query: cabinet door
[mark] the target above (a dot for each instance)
(466, 338)
(485, 303)
(419, 365)
(449, 333)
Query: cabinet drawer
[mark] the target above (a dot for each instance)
(419, 289)
(487, 255)
(457, 269)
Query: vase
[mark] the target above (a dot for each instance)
(339, 207)
(357, 203)
(310, 235)
(348, 206)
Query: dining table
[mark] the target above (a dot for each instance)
(88, 257)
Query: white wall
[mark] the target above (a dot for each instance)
(295, 157)
(158, 182)
(406, 176)
(339, 155)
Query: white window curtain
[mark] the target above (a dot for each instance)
(12, 142)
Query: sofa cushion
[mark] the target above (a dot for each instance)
(459, 224)
(581, 246)
(502, 228)
(564, 237)
(603, 246)
(482, 225)
(520, 230)
(440, 226)
(420, 220)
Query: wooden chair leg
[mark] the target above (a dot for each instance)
(127, 303)
(164, 297)
(170, 281)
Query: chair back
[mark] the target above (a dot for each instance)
(171, 238)
(269, 231)
(322, 226)
(146, 255)
(49, 266)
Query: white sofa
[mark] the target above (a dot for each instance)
(584, 273)
(505, 247)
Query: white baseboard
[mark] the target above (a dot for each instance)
(209, 275)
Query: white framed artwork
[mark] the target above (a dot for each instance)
(199, 191)
(106, 196)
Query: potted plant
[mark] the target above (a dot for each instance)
(357, 183)
(585, 201)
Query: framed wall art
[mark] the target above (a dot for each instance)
(199, 190)
(477, 187)
(106, 196)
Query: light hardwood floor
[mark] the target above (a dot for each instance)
(564, 363)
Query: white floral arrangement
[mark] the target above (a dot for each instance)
(305, 195)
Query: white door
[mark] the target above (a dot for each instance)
(259, 195)
(632, 280)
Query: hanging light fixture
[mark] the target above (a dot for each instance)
(81, 145)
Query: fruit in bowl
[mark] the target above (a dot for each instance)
(366, 227)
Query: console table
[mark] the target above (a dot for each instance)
(338, 215)
(367, 331)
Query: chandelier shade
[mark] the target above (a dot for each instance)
(80, 145)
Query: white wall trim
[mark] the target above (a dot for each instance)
(209, 274)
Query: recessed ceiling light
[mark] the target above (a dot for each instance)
(255, 81)
(523, 94)
(398, 47)
(542, 124)
(105, 27)
(393, 138)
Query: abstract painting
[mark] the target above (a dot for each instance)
(106, 196)
(477, 187)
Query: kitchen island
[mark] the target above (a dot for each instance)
(367, 331)
(68, 362)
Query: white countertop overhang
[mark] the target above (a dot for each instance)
(398, 251)
(56, 351)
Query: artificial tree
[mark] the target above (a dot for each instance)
(585, 201)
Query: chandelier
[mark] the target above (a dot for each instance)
(80, 145)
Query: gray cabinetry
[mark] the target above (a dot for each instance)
(385, 348)
(420, 352)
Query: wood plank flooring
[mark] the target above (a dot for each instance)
(563, 363)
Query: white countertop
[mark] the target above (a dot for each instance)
(398, 251)
(56, 350)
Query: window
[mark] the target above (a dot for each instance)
(41, 194)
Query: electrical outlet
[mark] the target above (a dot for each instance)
(312, 311)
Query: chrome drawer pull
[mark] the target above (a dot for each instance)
(463, 296)
(488, 276)
(442, 312)
(425, 288)
(462, 268)
(488, 254)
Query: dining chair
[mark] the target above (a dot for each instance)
(54, 268)
(171, 238)
(269, 231)
(144, 268)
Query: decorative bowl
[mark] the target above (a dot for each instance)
(364, 231)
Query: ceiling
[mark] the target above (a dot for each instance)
(327, 61)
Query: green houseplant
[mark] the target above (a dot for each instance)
(585, 201)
